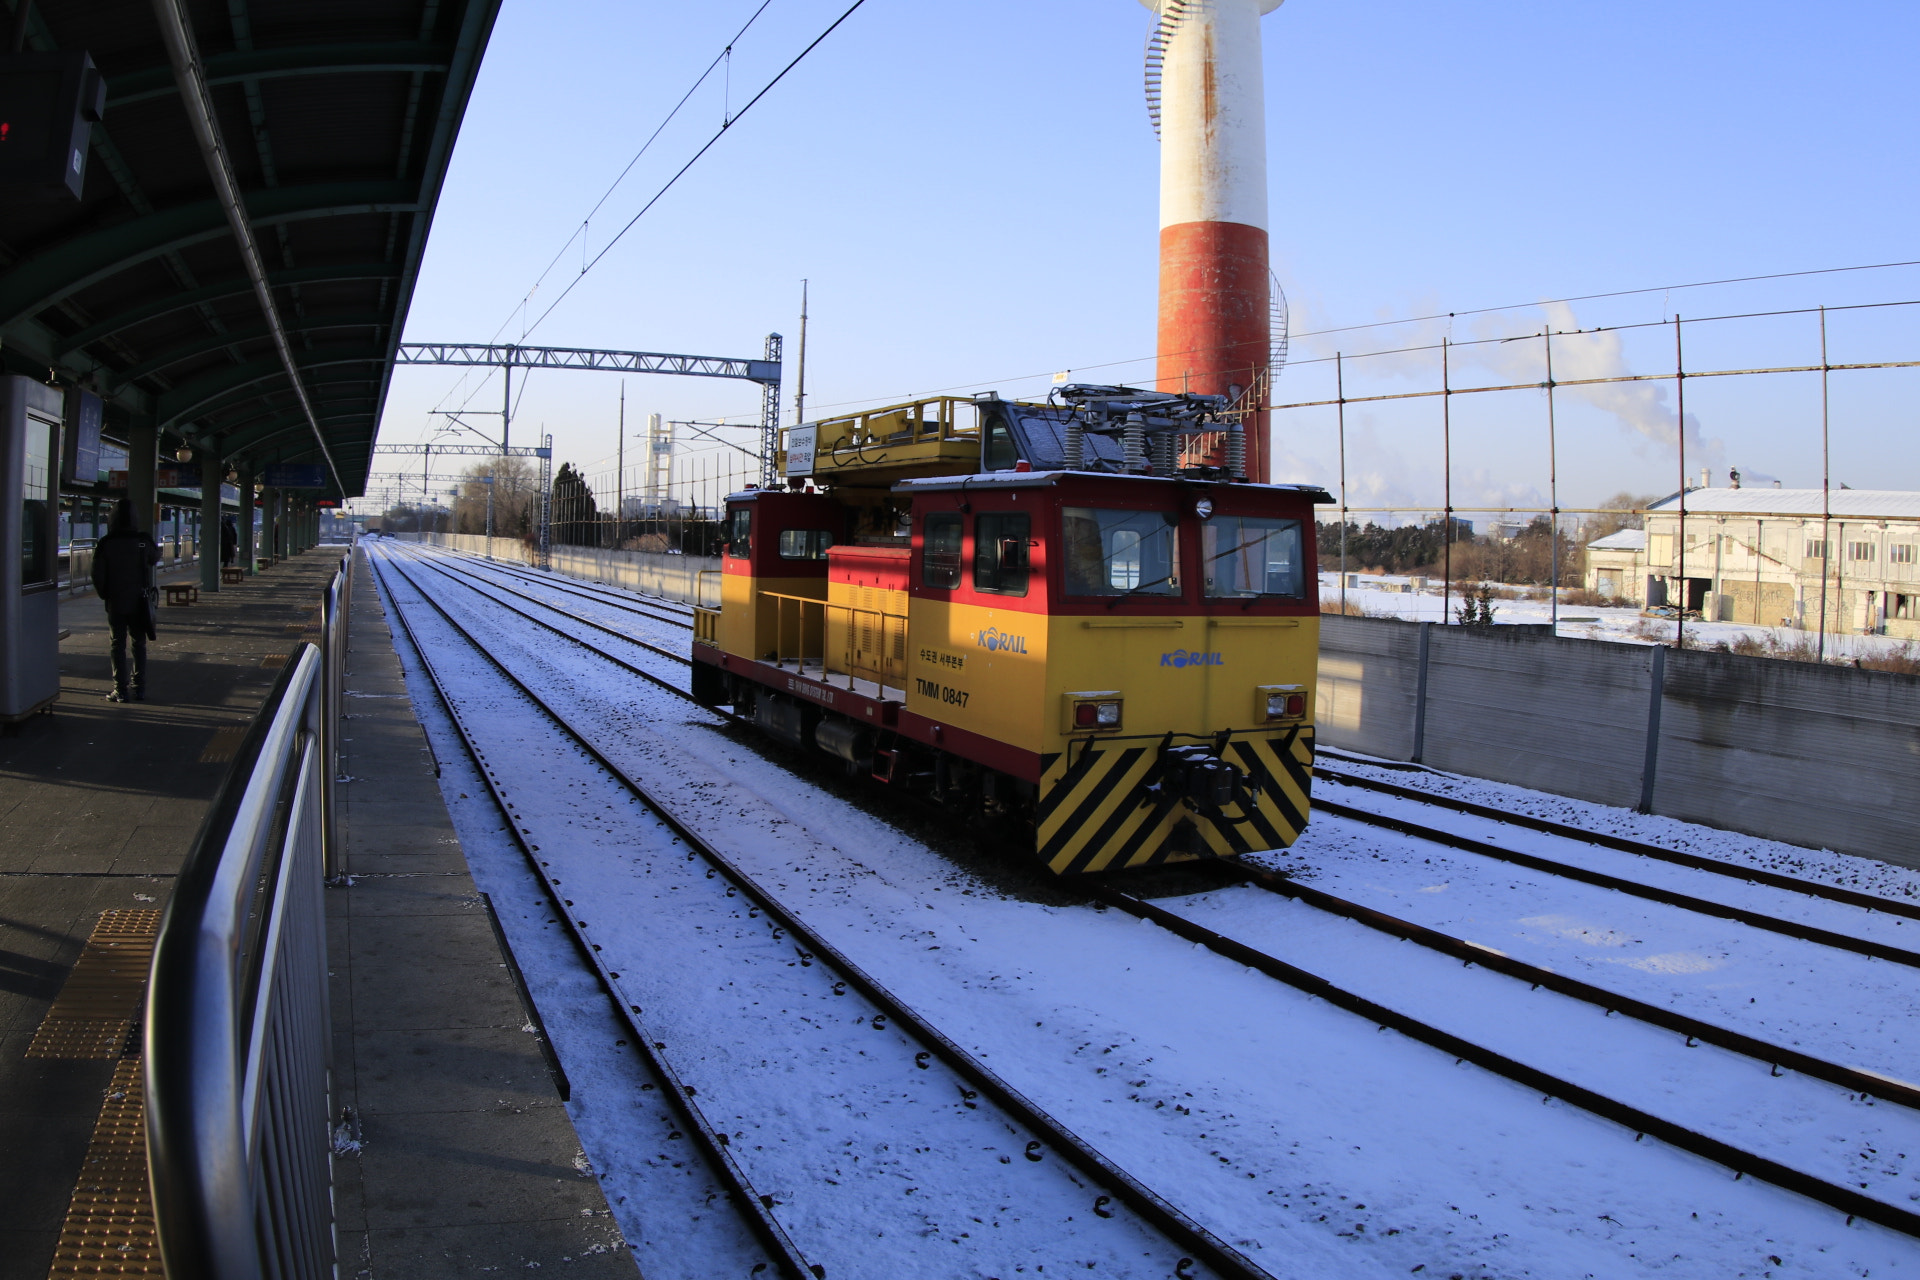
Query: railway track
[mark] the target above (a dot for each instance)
(1641, 1121)
(1109, 1193)
(1606, 840)
(1622, 884)
(432, 562)
(614, 597)
(1691, 902)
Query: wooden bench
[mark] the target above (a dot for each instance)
(182, 592)
(232, 575)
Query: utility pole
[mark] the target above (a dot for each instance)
(800, 379)
(620, 469)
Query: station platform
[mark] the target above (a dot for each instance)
(454, 1154)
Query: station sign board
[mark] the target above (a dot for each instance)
(80, 445)
(800, 446)
(294, 475)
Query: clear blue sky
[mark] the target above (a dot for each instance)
(971, 189)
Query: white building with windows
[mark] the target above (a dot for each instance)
(1768, 557)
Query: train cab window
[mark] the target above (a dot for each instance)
(804, 544)
(1251, 556)
(940, 551)
(1000, 552)
(740, 533)
(1114, 553)
(999, 453)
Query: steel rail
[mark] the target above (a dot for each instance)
(1855, 1080)
(1742, 1162)
(1155, 1211)
(1699, 862)
(597, 597)
(598, 590)
(1760, 920)
(474, 583)
(755, 1213)
(1603, 880)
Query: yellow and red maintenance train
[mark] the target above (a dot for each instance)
(1052, 613)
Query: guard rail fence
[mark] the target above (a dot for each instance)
(237, 1036)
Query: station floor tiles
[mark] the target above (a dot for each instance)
(99, 803)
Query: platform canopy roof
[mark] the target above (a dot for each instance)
(338, 118)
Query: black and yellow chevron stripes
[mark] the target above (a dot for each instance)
(1095, 815)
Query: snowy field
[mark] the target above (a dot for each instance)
(1312, 1141)
(1391, 596)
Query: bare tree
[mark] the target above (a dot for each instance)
(1619, 513)
(516, 494)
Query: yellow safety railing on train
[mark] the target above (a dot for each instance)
(855, 437)
(791, 631)
(800, 637)
(706, 617)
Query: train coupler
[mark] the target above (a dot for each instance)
(1199, 776)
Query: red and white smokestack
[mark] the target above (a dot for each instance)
(1215, 316)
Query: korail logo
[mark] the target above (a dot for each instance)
(1191, 658)
(994, 640)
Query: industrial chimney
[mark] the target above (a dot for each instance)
(1215, 318)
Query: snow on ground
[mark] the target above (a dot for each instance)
(890, 1168)
(1391, 596)
(1319, 1144)
(1865, 875)
(1800, 1121)
(672, 1214)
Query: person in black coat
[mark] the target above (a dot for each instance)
(123, 564)
(229, 541)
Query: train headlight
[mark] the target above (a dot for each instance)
(1093, 711)
(1280, 703)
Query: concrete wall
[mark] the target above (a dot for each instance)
(1369, 678)
(1567, 716)
(1822, 756)
(1814, 755)
(675, 577)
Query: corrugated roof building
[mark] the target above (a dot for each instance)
(1774, 557)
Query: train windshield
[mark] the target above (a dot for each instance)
(1112, 553)
(1251, 556)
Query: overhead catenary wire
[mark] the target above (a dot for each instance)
(520, 307)
(1444, 315)
(719, 133)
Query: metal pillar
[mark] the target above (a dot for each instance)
(143, 451)
(208, 546)
(243, 555)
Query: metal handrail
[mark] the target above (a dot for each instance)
(334, 611)
(238, 1037)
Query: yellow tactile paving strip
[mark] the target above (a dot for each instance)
(94, 1013)
(221, 747)
(109, 1227)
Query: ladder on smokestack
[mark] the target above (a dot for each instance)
(1172, 14)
